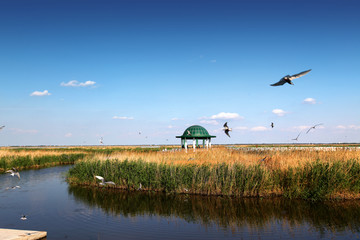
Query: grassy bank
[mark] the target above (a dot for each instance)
(315, 180)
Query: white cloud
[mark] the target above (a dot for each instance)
(175, 119)
(279, 112)
(340, 127)
(213, 61)
(309, 101)
(258, 129)
(301, 127)
(68, 135)
(74, 83)
(225, 116)
(211, 122)
(123, 118)
(170, 126)
(40, 94)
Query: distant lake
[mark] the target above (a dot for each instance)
(68, 212)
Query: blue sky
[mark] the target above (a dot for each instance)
(74, 71)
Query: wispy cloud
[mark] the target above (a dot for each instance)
(352, 127)
(309, 101)
(211, 122)
(224, 116)
(75, 83)
(258, 129)
(40, 94)
(24, 131)
(68, 135)
(176, 119)
(279, 112)
(240, 128)
(303, 127)
(213, 61)
(123, 118)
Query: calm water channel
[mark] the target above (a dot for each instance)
(83, 213)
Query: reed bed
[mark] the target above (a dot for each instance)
(312, 175)
(35, 157)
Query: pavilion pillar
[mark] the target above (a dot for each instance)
(210, 142)
(194, 142)
(203, 142)
(185, 144)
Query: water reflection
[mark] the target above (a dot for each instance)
(225, 212)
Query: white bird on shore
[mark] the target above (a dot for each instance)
(288, 79)
(313, 127)
(14, 172)
(227, 129)
(103, 183)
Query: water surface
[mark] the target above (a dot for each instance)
(68, 212)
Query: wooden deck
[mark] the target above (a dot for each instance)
(15, 234)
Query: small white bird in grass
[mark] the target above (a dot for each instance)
(103, 183)
(313, 127)
(23, 217)
(288, 79)
(227, 129)
(14, 172)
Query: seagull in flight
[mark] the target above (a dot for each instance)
(14, 172)
(313, 127)
(2, 127)
(288, 79)
(103, 183)
(272, 125)
(295, 139)
(227, 129)
(188, 132)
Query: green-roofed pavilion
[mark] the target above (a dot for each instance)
(195, 133)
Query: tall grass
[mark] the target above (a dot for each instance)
(22, 162)
(314, 181)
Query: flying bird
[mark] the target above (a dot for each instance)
(313, 127)
(227, 129)
(14, 172)
(288, 79)
(23, 217)
(101, 140)
(2, 127)
(188, 132)
(272, 125)
(295, 139)
(103, 183)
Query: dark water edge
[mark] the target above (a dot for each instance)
(75, 212)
